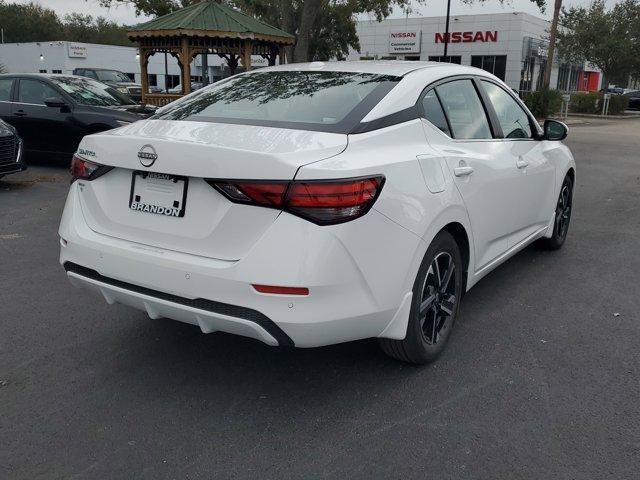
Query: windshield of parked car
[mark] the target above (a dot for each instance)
(112, 76)
(89, 92)
(305, 100)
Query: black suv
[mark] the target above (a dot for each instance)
(114, 78)
(53, 112)
(634, 99)
(10, 150)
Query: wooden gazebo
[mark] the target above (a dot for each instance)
(205, 28)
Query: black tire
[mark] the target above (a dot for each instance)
(434, 305)
(564, 208)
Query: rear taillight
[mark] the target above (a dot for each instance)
(82, 169)
(324, 202)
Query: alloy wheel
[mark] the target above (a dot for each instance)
(438, 300)
(563, 211)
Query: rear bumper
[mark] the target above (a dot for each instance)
(356, 287)
(210, 316)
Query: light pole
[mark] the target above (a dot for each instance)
(446, 31)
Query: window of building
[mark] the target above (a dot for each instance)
(513, 119)
(42, 71)
(415, 58)
(34, 91)
(448, 59)
(496, 64)
(433, 111)
(464, 110)
(153, 79)
(367, 58)
(392, 57)
(5, 89)
(56, 71)
(172, 81)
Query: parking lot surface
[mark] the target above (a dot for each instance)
(540, 379)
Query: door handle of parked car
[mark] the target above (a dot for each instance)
(521, 163)
(462, 171)
(20, 113)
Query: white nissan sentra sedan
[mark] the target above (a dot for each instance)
(312, 204)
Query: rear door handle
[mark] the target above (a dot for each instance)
(20, 113)
(462, 171)
(521, 163)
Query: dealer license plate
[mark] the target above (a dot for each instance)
(158, 193)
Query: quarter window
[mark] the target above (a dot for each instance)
(5, 89)
(433, 111)
(464, 110)
(513, 119)
(34, 91)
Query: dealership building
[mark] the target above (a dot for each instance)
(512, 46)
(64, 57)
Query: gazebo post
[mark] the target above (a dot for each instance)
(246, 54)
(185, 57)
(205, 27)
(144, 78)
(283, 55)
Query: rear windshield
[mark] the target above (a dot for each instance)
(325, 101)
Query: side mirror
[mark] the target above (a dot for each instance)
(55, 102)
(555, 130)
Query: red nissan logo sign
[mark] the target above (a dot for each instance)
(468, 37)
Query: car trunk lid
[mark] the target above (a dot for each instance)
(189, 152)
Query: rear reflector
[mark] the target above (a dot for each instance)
(281, 290)
(324, 202)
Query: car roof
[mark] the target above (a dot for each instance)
(382, 67)
(99, 69)
(39, 75)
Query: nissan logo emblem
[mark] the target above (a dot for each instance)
(147, 156)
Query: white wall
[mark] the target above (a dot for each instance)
(511, 28)
(25, 58)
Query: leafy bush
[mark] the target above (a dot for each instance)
(617, 105)
(592, 103)
(584, 103)
(544, 103)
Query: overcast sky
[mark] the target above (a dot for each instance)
(126, 14)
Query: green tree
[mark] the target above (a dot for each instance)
(32, 23)
(28, 23)
(323, 28)
(84, 28)
(608, 39)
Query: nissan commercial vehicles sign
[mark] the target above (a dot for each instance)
(404, 41)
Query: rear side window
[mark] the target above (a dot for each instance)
(464, 110)
(305, 100)
(433, 111)
(34, 91)
(5, 89)
(513, 119)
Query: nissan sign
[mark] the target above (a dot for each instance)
(467, 37)
(404, 41)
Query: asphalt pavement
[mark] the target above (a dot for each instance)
(540, 379)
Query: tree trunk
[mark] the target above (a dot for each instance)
(308, 15)
(552, 43)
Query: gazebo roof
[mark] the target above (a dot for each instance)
(212, 19)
